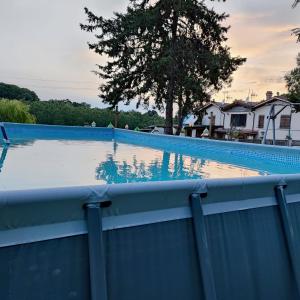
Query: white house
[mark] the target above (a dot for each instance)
(237, 116)
(250, 119)
(287, 121)
(214, 114)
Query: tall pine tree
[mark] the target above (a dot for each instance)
(296, 31)
(166, 52)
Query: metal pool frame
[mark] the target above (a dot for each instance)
(232, 239)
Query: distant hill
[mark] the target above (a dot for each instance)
(10, 91)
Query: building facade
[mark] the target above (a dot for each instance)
(249, 120)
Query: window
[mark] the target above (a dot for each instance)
(261, 121)
(238, 120)
(285, 122)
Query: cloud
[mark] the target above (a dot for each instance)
(43, 47)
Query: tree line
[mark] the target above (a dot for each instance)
(14, 92)
(66, 112)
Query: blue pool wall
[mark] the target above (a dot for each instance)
(191, 146)
(154, 243)
(33, 131)
(149, 241)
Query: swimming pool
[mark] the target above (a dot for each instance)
(68, 158)
(210, 239)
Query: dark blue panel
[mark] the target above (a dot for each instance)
(51, 270)
(249, 256)
(153, 262)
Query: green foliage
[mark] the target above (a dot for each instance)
(65, 112)
(296, 31)
(293, 82)
(10, 91)
(169, 51)
(15, 111)
(296, 2)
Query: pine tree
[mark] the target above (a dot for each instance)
(296, 31)
(164, 52)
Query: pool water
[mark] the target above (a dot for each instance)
(29, 163)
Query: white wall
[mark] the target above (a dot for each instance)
(249, 122)
(280, 133)
(224, 118)
(216, 112)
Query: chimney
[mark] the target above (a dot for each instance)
(269, 95)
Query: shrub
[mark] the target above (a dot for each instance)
(15, 111)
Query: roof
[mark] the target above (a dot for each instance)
(245, 104)
(274, 99)
(227, 106)
(213, 103)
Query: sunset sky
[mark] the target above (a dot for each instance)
(42, 47)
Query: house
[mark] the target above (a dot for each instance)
(213, 111)
(237, 116)
(287, 121)
(193, 128)
(249, 120)
(239, 119)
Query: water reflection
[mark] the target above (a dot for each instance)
(164, 166)
(13, 144)
(57, 163)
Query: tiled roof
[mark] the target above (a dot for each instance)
(227, 106)
(274, 99)
(246, 104)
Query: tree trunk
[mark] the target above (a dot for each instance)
(180, 116)
(169, 117)
(171, 87)
(180, 125)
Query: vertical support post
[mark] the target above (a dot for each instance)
(5, 137)
(273, 126)
(268, 124)
(3, 156)
(202, 247)
(96, 252)
(211, 118)
(291, 242)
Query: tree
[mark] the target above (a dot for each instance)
(15, 111)
(293, 82)
(296, 31)
(65, 112)
(14, 92)
(165, 51)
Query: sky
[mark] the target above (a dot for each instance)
(42, 47)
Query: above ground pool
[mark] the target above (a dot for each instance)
(44, 156)
(110, 214)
